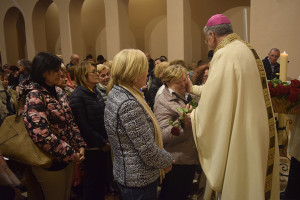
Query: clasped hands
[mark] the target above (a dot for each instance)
(169, 168)
(79, 155)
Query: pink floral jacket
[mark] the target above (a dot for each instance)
(50, 122)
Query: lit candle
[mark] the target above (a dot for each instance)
(283, 66)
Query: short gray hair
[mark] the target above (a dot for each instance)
(219, 30)
(274, 49)
(25, 63)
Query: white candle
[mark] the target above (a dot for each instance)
(283, 66)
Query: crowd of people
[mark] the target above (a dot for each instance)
(73, 113)
(112, 118)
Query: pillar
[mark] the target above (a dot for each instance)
(179, 30)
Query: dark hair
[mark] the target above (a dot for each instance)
(13, 68)
(41, 63)
(198, 74)
(3, 74)
(89, 56)
(163, 58)
(100, 57)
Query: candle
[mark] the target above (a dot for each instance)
(283, 66)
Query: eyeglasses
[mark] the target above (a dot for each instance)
(104, 75)
(94, 72)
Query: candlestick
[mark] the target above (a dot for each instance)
(283, 66)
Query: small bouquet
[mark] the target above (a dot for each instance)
(285, 96)
(180, 122)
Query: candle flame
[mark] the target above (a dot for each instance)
(284, 52)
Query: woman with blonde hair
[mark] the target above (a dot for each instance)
(87, 106)
(133, 130)
(104, 76)
(178, 141)
(156, 81)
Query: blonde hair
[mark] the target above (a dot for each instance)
(108, 63)
(81, 72)
(101, 67)
(173, 73)
(160, 69)
(128, 65)
(178, 62)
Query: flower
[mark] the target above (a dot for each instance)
(294, 95)
(289, 92)
(175, 131)
(283, 90)
(295, 83)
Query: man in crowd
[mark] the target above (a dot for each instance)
(24, 67)
(74, 61)
(150, 63)
(271, 65)
(233, 125)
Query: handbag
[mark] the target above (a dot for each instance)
(16, 144)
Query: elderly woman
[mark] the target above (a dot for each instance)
(178, 141)
(24, 68)
(88, 108)
(104, 76)
(49, 121)
(63, 83)
(133, 130)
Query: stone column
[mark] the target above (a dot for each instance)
(64, 26)
(117, 31)
(179, 30)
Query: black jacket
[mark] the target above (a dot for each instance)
(155, 85)
(88, 110)
(268, 69)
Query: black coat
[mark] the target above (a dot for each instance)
(268, 69)
(155, 85)
(88, 110)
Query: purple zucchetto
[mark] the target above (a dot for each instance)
(217, 20)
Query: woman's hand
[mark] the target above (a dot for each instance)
(81, 152)
(79, 156)
(169, 168)
(106, 147)
(187, 117)
(188, 85)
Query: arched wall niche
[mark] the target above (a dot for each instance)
(52, 29)
(14, 34)
(39, 25)
(142, 18)
(92, 23)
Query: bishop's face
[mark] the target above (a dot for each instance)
(211, 40)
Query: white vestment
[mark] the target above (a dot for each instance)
(230, 127)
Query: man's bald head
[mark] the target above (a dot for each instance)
(75, 59)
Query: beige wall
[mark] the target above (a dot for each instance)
(143, 25)
(52, 29)
(275, 23)
(92, 23)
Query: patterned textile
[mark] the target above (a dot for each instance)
(137, 159)
(50, 122)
